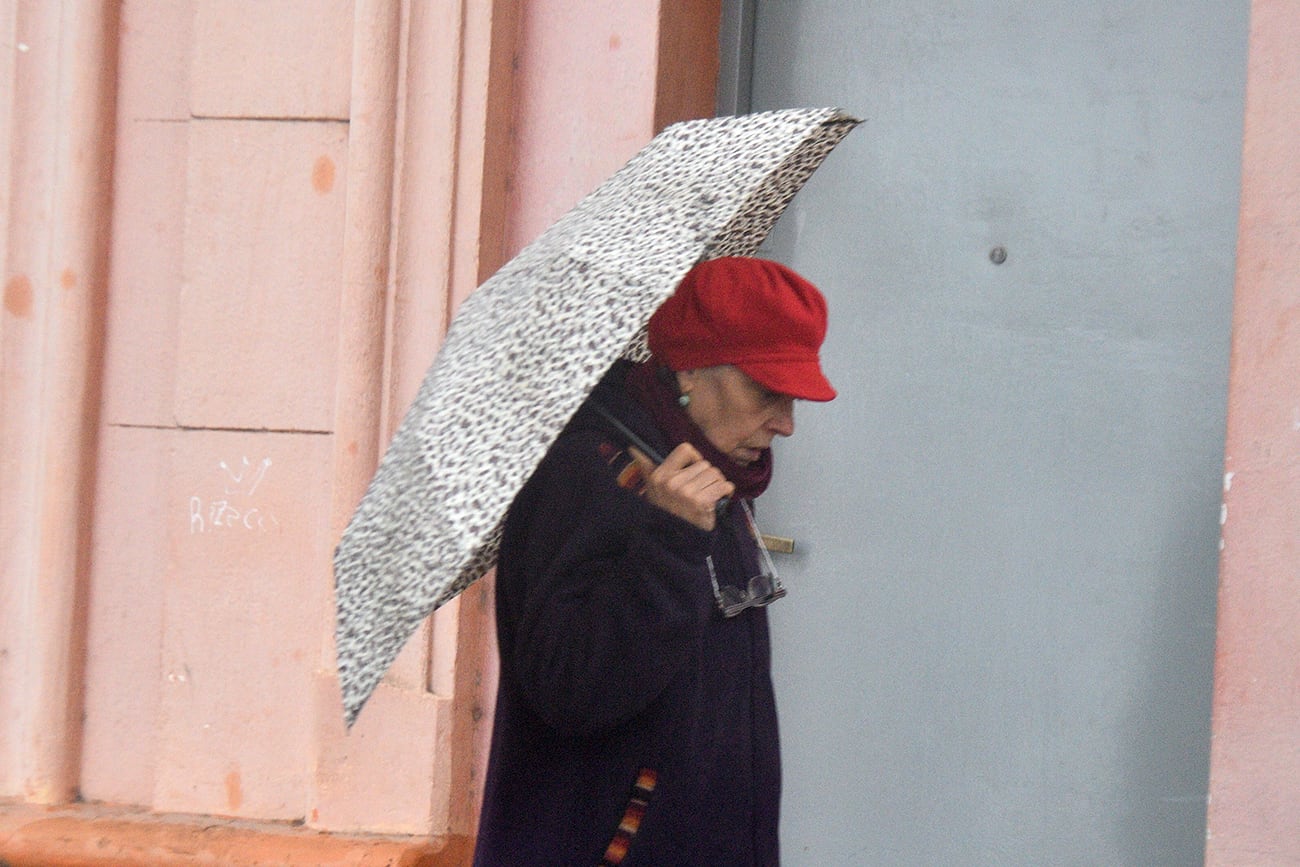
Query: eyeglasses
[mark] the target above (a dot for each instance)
(763, 589)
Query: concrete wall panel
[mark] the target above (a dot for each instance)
(376, 777)
(155, 41)
(245, 596)
(143, 301)
(264, 230)
(124, 645)
(272, 58)
(586, 75)
(149, 183)
(56, 85)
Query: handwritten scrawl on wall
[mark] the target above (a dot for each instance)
(235, 508)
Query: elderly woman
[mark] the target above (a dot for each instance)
(635, 721)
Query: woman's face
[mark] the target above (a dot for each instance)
(739, 416)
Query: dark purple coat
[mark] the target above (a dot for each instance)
(625, 698)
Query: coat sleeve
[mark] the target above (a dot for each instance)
(606, 596)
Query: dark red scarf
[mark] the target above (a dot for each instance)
(657, 393)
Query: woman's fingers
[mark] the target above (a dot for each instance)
(685, 484)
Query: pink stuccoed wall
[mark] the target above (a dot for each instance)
(234, 233)
(55, 158)
(559, 41)
(1254, 810)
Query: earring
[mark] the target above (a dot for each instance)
(684, 400)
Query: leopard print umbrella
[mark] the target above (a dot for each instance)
(527, 348)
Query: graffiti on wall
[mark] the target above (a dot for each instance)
(235, 508)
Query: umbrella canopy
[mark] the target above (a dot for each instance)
(530, 344)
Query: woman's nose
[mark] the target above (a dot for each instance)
(782, 422)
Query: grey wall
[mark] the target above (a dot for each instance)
(999, 640)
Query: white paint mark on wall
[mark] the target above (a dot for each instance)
(242, 481)
(216, 514)
(1223, 507)
(1227, 482)
(234, 509)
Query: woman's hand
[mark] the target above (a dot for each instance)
(685, 485)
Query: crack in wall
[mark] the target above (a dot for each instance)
(192, 428)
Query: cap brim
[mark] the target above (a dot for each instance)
(803, 380)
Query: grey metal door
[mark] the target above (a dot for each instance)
(998, 644)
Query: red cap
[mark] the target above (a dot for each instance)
(753, 313)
